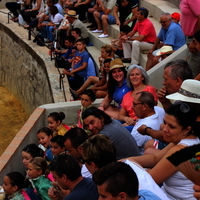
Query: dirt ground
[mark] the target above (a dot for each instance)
(12, 117)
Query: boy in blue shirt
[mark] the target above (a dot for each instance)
(78, 72)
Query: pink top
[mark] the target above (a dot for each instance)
(146, 28)
(190, 10)
(127, 102)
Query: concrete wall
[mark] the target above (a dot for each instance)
(156, 73)
(23, 71)
(11, 160)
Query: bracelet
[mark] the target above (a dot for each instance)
(145, 130)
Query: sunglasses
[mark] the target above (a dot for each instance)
(163, 22)
(183, 106)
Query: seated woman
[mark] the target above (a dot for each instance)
(179, 123)
(37, 6)
(55, 19)
(137, 80)
(117, 88)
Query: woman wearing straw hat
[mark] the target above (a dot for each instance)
(117, 88)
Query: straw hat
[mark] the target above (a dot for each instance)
(188, 92)
(164, 50)
(117, 63)
(72, 13)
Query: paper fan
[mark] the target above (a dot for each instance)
(187, 161)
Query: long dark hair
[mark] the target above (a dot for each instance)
(112, 83)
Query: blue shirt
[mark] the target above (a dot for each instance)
(173, 36)
(79, 59)
(120, 92)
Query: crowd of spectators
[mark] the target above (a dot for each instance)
(79, 161)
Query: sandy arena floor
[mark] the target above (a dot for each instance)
(12, 117)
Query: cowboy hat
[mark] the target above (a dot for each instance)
(72, 13)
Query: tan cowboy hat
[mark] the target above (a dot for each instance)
(188, 92)
(117, 63)
(72, 13)
(164, 50)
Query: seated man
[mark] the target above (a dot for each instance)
(76, 23)
(148, 114)
(117, 180)
(104, 17)
(170, 34)
(133, 44)
(98, 151)
(67, 173)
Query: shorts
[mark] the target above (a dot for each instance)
(111, 18)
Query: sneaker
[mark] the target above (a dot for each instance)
(97, 31)
(103, 35)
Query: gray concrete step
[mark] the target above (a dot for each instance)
(157, 7)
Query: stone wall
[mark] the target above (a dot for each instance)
(23, 71)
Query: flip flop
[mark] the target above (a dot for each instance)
(74, 95)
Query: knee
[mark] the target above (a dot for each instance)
(135, 43)
(104, 18)
(95, 14)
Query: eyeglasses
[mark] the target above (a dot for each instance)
(183, 106)
(163, 22)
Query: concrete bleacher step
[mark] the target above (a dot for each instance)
(157, 7)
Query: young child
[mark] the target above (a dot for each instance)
(31, 151)
(117, 43)
(57, 145)
(78, 72)
(37, 168)
(13, 184)
(99, 85)
(55, 123)
(87, 98)
(44, 136)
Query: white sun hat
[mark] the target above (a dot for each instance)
(188, 92)
(164, 50)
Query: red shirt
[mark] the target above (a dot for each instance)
(146, 28)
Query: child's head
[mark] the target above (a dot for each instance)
(80, 44)
(69, 41)
(124, 29)
(87, 98)
(57, 145)
(76, 32)
(106, 65)
(44, 136)
(13, 182)
(36, 167)
(29, 152)
(106, 51)
(55, 119)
